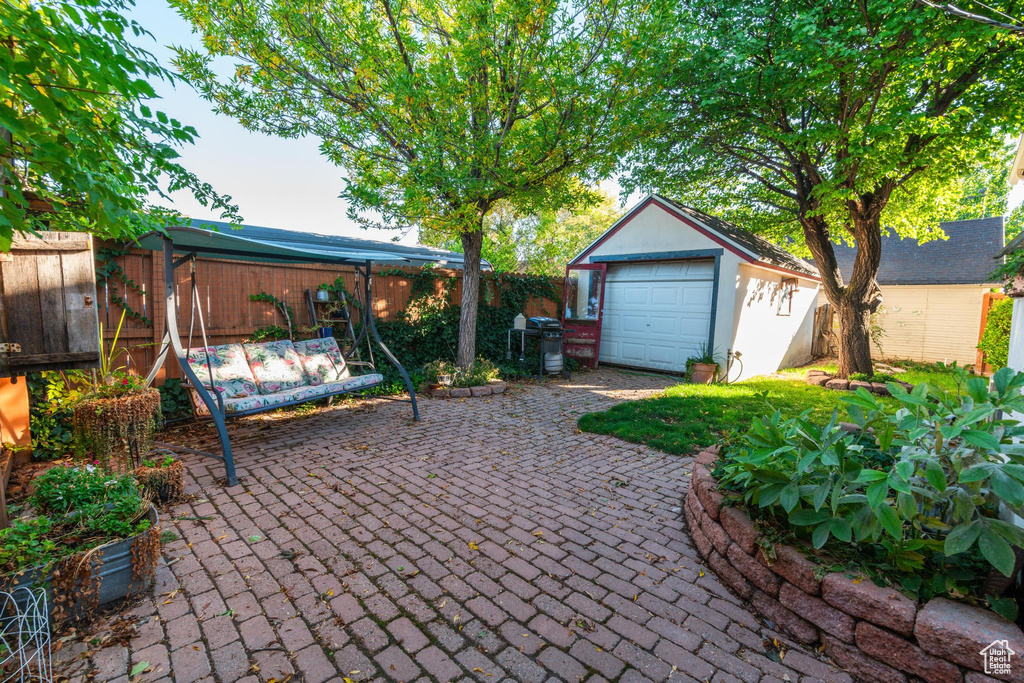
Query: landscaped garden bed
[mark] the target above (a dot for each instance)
(885, 544)
(876, 384)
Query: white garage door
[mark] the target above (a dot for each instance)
(656, 315)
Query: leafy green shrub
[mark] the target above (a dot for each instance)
(94, 500)
(915, 493)
(26, 543)
(174, 400)
(50, 415)
(859, 377)
(995, 340)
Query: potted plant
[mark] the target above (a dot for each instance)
(702, 368)
(91, 538)
(440, 374)
(116, 414)
(163, 479)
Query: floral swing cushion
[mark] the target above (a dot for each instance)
(275, 365)
(321, 360)
(232, 377)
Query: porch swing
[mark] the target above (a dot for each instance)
(236, 380)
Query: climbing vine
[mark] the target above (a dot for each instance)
(428, 329)
(273, 332)
(111, 275)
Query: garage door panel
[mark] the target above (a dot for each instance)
(656, 314)
(665, 296)
(663, 325)
(632, 351)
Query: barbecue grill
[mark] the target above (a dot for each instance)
(549, 333)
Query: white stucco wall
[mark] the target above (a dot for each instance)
(769, 341)
(655, 230)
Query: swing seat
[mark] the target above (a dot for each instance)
(251, 378)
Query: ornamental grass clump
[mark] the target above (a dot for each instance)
(914, 494)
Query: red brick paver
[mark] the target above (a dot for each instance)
(490, 541)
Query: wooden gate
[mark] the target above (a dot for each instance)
(824, 341)
(48, 317)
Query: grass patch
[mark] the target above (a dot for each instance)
(690, 416)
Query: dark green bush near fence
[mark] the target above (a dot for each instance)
(995, 340)
(428, 329)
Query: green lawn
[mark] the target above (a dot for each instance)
(688, 416)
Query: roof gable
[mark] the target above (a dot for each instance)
(750, 247)
(964, 258)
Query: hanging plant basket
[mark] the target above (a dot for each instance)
(161, 482)
(78, 585)
(117, 431)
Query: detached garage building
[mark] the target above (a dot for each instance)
(666, 279)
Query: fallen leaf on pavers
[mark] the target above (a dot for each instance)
(473, 545)
(139, 668)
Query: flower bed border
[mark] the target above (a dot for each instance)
(821, 378)
(496, 387)
(857, 622)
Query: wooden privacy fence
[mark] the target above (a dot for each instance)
(824, 342)
(224, 288)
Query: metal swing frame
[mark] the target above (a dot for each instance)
(172, 342)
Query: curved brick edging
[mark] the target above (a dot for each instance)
(821, 378)
(876, 633)
(497, 387)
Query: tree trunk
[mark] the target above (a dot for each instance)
(854, 337)
(472, 243)
(857, 299)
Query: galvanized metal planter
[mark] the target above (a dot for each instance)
(112, 567)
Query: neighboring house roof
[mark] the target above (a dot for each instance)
(752, 248)
(416, 255)
(964, 258)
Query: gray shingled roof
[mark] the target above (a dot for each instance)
(763, 249)
(966, 257)
(416, 255)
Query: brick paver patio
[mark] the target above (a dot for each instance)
(490, 541)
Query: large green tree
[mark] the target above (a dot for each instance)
(80, 149)
(814, 121)
(440, 109)
(539, 243)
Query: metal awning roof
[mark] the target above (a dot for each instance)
(326, 248)
(237, 248)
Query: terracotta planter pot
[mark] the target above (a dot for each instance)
(703, 373)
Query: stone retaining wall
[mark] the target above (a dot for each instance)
(496, 387)
(823, 379)
(877, 634)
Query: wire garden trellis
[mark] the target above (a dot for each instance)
(25, 635)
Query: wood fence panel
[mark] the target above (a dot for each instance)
(224, 288)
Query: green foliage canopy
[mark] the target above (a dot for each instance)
(788, 110)
(438, 109)
(76, 133)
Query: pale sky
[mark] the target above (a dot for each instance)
(276, 182)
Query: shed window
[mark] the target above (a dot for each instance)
(786, 290)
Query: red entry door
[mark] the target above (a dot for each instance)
(582, 311)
